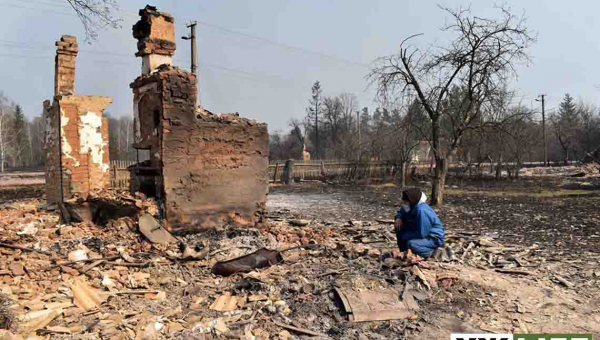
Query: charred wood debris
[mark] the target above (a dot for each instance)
(107, 268)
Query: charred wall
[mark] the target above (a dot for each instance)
(211, 169)
(207, 169)
(214, 172)
(52, 152)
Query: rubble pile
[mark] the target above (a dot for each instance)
(592, 157)
(103, 206)
(122, 280)
(591, 168)
(21, 178)
(584, 170)
(229, 118)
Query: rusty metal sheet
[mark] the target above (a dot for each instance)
(373, 305)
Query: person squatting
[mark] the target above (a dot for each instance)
(417, 226)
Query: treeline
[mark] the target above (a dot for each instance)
(121, 138)
(22, 140)
(336, 128)
(507, 132)
(575, 128)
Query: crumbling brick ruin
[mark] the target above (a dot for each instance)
(76, 136)
(207, 169)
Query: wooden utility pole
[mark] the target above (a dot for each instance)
(542, 96)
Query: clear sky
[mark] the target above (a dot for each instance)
(268, 78)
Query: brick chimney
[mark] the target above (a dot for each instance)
(64, 65)
(155, 33)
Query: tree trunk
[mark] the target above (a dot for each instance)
(413, 172)
(439, 181)
(401, 175)
(441, 169)
(499, 168)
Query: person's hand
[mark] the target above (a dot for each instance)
(398, 224)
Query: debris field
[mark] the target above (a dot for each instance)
(511, 264)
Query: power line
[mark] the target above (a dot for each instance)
(256, 77)
(19, 45)
(25, 55)
(217, 27)
(253, 77)
(38, 9)
(50, 3)
(48, 47)
(292, 48)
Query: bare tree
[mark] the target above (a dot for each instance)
(21, 144)
(37, 128)
(525, 135)
(276, 150)
(5, 131)
(334, 123)
(479, 61)
(404, 138)
(297, 131)
(589, 138)
(349, 103)
(125, 138)
(96, 15)
(497, 137)
(285, 146)
(566, 125)
(313, 115)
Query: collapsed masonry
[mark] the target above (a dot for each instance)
(76, 135)
(207, 169)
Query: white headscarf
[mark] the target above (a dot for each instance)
(422, 200)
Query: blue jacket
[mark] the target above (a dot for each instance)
(420, 222)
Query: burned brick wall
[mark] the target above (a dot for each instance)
(215, 172)
(76, 136)
(52, 152)
(76, 146)
(208, 170)
(211, 169)
(84, 143)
